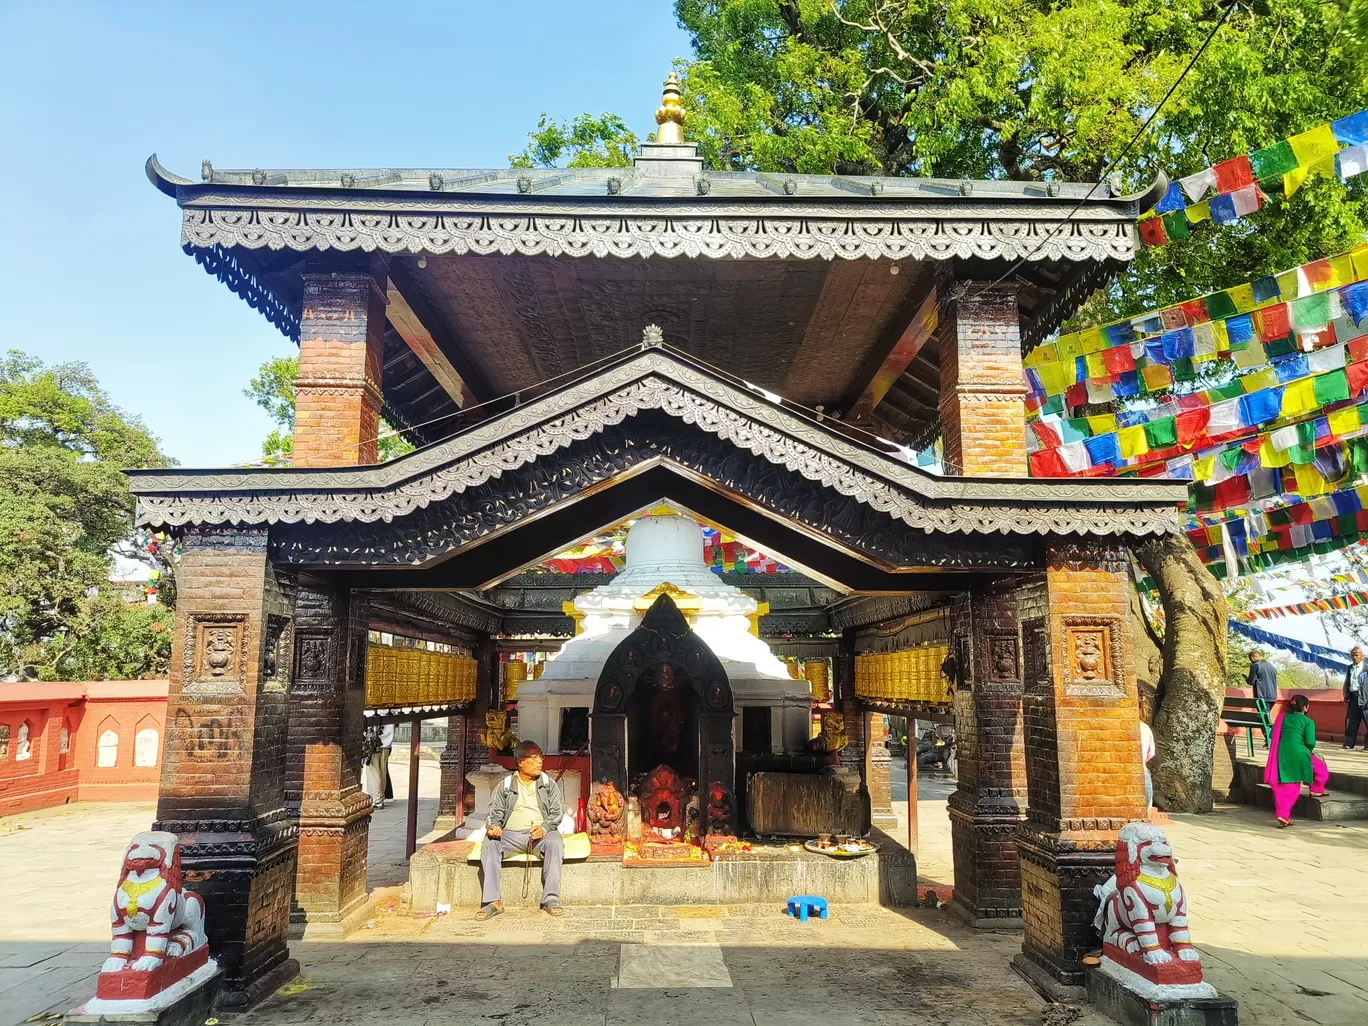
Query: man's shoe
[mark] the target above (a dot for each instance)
(553, 909)
(1347, 748)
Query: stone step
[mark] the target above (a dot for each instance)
(1331, 807)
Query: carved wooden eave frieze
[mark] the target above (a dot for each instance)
(913, 219)
(659, 379)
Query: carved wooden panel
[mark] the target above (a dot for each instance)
(1093, 650)
(215, 653)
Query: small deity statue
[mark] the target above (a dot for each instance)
(833, 736)
(157, 926)
(719, 808)
(662, 804)
(1143, 919)
(497, 735)
(605, 814)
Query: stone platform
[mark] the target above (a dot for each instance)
(1346, 793)
(440, 874)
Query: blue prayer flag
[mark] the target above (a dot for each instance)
(1154, 350)
(1173, 200)
(1103, 449)
(1290, 368)
(1265, 288)
(1120, 334)
(1346, 502)
(1223, 208)
(1260, 406)
(1351, 131)
(1130, 418)
(1178, 345)
(1354, 299)
(1322, 530)
(1128, 386)
(1239, 329)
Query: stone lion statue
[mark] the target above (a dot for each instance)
(833, 736)
(150, 901)
(1143, 916)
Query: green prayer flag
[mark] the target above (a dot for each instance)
(1306, 434)
(1176, 224)
(1310, 311)
(1161, 434)
(1230, 458)
(1332, 387)
(1233, 390)
(1182, 369)
(1345, 524)
(1219, 305)
(1280, 347)
(1359, 448)
(1054, 404)
(1301, 455)
(1277, 159)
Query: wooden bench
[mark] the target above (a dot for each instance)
(1244, 712)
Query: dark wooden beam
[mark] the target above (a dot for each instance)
(441, 334)
(898, 346)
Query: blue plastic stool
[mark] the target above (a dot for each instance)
(801, 904)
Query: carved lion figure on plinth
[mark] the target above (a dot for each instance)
(497, 735)
(1143, 919)
(157, 925)
(833, 737)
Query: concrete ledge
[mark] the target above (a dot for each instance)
(439, 873)
(1125, 1006)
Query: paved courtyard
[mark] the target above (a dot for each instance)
(1281, 917)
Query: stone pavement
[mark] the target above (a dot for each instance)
(1281, 916)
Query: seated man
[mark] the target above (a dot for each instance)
(525, 812)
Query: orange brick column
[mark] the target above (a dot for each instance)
(341, 363)
(451, 797)
(223, 765)
(988, 805)
(1083, 764)
(323, 785)
(878, 773)
(982, 393)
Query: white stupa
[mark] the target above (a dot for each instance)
(666, 553)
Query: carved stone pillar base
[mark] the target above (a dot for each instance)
(330, 884)
(879, 778)
(987, 880)
(451, 798)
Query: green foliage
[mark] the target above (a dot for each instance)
(583, 141)
(64, 503)
(115, 640)
(273, 389)
(1029, 90)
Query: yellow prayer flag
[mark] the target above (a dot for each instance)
(1218, 329)
(1096, 368)
(1289, 287)
(1199, 212)
(1092, 341)
(1298, 176)
(1266, 378)
(1157, 376)
(1309, 481)
(1341, 271)
(1360, 258)
(1299, 397)
(1102, 423)
(1132, 441)
(1243, 298)
(1362, 492)
(1317, 144)
(1070, 347)
(1271, 457)
(1203, 468)
(1344, 421)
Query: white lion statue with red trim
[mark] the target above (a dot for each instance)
(1143, 919)
(159, 944)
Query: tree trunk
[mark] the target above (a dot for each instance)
(1192, 685)
(1149, 659)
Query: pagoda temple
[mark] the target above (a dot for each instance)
(570, 348)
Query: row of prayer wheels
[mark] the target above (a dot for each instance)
(415, 676)
(912, 675)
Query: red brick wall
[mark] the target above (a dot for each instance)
(341, 350)
(45, 777)
(982, 393)
(127, 708)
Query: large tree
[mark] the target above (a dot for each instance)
(1032, 90)
(64, 504)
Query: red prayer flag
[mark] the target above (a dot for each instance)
(1233, 491)
(1195, 311)
(1047, 463)
(1118, 359)
(1361, 522)
(1152, 231)
(1077, 394)
(1358, 378)
(1300, 512)
(1358, 350)
(1318, 273)
(1192, 425)
(1233, 174)
(1275, 323)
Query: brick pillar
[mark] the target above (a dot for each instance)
(341, 364)
(982, 392)
(987, 806)
(323, 777)
(1083, 764)
(486, 690)
(223, 765)
(451, 798)
(878, 773)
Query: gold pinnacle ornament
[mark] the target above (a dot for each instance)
(670, 113)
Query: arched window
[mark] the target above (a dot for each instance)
(145, 744)
(107, 749)
(4, 742)
(64, 745)
(24, 748)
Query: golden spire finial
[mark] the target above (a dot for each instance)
(670, 114)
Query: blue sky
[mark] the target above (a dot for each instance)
(90, 262)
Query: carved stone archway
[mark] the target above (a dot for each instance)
(663, 640)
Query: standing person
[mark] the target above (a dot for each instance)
(1292, 760)
(1146, 754)
(1263, 678)
(1356, 699)
(525, 813)
(377, 744)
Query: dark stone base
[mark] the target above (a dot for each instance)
(190, 1010)
(1125, 1006)
(241, 999)
(979, 921)
(1044, 981)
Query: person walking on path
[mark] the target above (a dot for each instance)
(525, 813)
(1146, 754)
(1292, 761)
(1356, 699)
(1263, 678)
(379, 741)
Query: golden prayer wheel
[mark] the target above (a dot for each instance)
(374, 672)
(446, 678)
(389, 680)
(538, 670)
(795, 671)
(904, 675)
(514, 673)
(470, 671)
(919, 673)
(816, 672)
(881, 675)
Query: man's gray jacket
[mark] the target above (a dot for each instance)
(549, 800)
(1356, 682)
